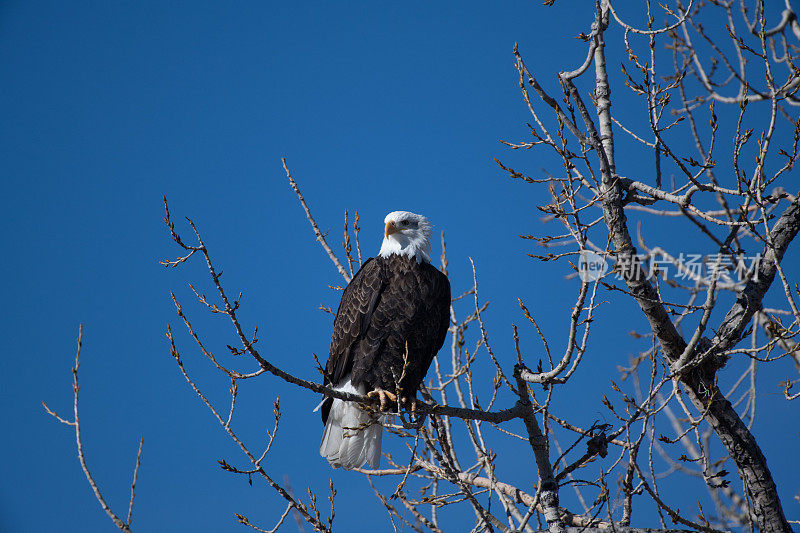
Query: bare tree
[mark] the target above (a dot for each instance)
(717, 86)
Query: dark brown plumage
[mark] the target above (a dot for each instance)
(392, 301)
(392, 319)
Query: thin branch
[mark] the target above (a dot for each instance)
(76, 423)
(317, 232)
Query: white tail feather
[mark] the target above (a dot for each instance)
(352, 436)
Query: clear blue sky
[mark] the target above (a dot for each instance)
(107, 106)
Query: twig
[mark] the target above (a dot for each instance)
(76, 423)
(317, 232)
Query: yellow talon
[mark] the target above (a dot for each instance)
(383, 396)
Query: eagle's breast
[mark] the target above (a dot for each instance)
(392, 320)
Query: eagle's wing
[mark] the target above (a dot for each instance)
(358, 303)
(440, 310)
(442, 297)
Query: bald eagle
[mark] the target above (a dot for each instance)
(392, 319)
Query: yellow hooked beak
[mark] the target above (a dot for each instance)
(390, 228)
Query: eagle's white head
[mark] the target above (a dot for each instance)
(407, 234)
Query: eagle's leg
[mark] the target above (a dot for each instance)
(415, 419)
(411, 402)
(384, 396)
